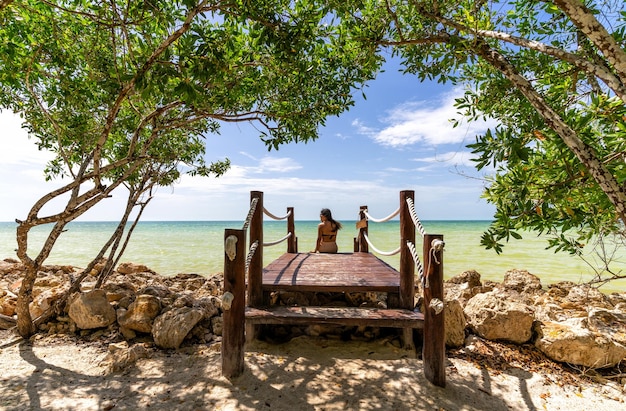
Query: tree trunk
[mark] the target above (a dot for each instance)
(583, 152)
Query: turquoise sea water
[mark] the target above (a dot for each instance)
(197, 247)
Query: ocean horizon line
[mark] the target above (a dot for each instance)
(237, 220)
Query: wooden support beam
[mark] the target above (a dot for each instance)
(255, 271)
(434, 349)
(234, 303)
(407, 265)
(292, 242)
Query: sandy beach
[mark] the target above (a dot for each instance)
(67, 373)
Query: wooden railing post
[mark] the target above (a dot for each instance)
(255, 270)
(360, 244)
(434, 349)
(292, 242)
(234, 303)
(407, 265)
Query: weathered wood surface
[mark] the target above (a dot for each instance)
(347, 272)
(374, 317)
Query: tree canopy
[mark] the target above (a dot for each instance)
(124, 92)
(553, 74)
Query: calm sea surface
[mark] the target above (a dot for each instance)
(197, 247)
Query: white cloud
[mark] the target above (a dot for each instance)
(418, 122)
(280, 165)
(456, 158)
(17, 148)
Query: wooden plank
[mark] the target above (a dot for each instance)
(330, 272)
(375, 317)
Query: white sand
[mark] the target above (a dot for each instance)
(304, 374)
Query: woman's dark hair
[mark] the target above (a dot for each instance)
(336, 225)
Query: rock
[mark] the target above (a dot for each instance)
(521, 281)
(140, 314)
(91, 310)
(495, 316)
(132, 268)
(170, 329)
(45, 299)
(463, 287)
(454, 323)
(7, 322)
(120, 355)
(572, 342)
(7, 304)
(160, 291)
(609, 323)
(118, 291)
(217, 325)
(470, 277)
(210, 305)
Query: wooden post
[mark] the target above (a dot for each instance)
(292, 243)
(434, 349)
(362, 225)
(255, 270)
(407, 265)
(233, 331)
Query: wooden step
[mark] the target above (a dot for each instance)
(374, 317)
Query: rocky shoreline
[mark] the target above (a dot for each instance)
(567, 323)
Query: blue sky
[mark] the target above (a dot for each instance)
(399, 138)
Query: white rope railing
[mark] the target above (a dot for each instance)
(416, 221)
(277, 241)
(377, 251)
(251, 252)
(382, 220)
(416, 260)
(267, 213)
(253, 204)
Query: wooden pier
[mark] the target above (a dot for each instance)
(358, 271)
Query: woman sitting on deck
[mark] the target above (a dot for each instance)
(327, 233)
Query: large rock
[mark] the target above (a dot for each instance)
(609, 323)
(572, 342)
(92, 310)
(454, 323)
(521, 281)
(45, 299)
(497, 316)
(464, 286)
(140, 314)
(170, 329)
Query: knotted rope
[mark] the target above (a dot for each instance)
(416, 260)
(253, 204)
(251, 252)
(416, 220)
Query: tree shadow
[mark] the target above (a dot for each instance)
(303, 374)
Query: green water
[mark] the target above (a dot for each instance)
(197, 247)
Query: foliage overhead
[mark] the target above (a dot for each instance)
(553, 74)
(124, 92)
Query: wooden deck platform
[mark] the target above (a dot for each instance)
(342, 272)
